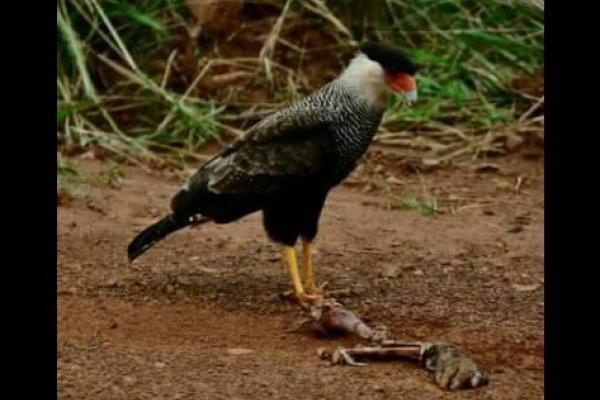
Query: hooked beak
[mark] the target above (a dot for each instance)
(404, 84)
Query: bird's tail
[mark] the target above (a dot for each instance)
(153, 234)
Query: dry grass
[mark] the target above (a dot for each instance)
(147, 83)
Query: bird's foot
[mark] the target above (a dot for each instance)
(333, 292)
(312, 289)
(305, 299)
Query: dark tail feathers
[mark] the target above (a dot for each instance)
(153, 234)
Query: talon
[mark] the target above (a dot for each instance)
(303, 298)
(316, 290)
(320, 290)
(309, 298)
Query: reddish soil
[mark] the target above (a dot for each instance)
(165, 326)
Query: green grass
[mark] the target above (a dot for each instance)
(66, 172)
(122, 38)
(110, 176)
(67, 177)
(424, 207)
(71, 179)
(469, 50)
(112, 94)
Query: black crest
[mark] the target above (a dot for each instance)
(391, 58)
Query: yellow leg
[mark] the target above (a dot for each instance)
(309, 281)
(290, 257)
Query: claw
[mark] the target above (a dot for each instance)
(320, 290)
(316, 290)
(306, 300)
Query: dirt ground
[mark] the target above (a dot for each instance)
(198, 316)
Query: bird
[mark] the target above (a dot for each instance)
(286, 164)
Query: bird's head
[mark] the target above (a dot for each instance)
(380, 68)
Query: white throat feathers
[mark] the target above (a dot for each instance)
(367, 79)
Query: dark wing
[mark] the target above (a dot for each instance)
(287, 149)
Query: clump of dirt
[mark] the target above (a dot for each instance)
(531, 87)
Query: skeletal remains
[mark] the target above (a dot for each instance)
(452, 369)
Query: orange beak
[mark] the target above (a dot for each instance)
(404, 84)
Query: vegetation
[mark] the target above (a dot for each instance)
(144, 81)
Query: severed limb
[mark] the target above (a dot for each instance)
(331, 318)
(452, 369)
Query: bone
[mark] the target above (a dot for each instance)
(450, 367)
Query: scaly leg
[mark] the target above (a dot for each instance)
(309, 282)
(290, 257)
